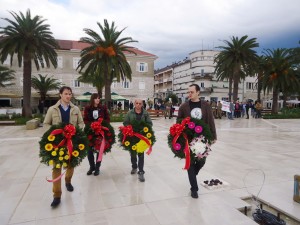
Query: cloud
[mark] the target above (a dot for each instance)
(171, 29)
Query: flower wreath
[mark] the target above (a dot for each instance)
(190, 138)
(63, 145)
(137, 137)
(101, 136)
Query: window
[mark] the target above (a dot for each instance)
(202, 85)
(250, 86)
(141, 67)
(125, 83)
(114, 84)
(202, 72)
(75, 62)
(59, 62)
(142, 85)
(76, 83)
(21, 81)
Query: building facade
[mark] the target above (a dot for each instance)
(199, 68)
(141, 85)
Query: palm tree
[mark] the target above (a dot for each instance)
(224, 73)
(106, 54)
(94, 79)
(237, 57)
(280, 75)
(43, 84)
(30, 39)
(6, 75)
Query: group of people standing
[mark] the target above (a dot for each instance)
(238, 110)
(64, 111)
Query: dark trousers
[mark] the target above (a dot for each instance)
(134, 163)
(91, 158)
(193, 172)
(247, 113)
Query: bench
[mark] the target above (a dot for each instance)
(266, 111)
(119, 113)
(155, 113)
(7, 122)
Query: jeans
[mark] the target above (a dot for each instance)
(193, 172)
(57, 184)
(134, 163)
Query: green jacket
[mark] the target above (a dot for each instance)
(131, 116)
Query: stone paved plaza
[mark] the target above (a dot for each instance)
(244, 149)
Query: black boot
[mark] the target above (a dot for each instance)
(97, 169)
(90, 171)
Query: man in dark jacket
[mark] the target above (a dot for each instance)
(201, 110)
(138, 113)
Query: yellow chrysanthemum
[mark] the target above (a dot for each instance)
(56, 149)
(61, 158)
(51, 138)
(53, 153)
(141, 146)
(127, 143)
(81, 146)
(145, 129)
(148, 135)
(57, 166)
(65, 164)
(133, 147)
(66, 157)
(49, 147)
(61, 153)
(75, 153)
(50, 162)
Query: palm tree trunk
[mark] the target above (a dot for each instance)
(275, 101)
(230, 88)
(235, 88)
(284, 97)
(259, 85)
(26, 111)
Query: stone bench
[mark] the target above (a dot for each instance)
(33, 124)
(7, 122)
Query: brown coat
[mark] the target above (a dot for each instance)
(207, 115)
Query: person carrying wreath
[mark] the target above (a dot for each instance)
(64, 111)
(138, 113)
(93, 112)
(200, 110)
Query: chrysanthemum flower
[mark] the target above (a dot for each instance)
(53, 153)
(57, 166)
(61, 153)
(49, 147)
(145, 129)
(133, 147)
(75, 153)
(50, 162)
(65, 164)
(66, 157)
(61, 158)
(148, 135)
(127, 143)
(51, 138)
(81, 146)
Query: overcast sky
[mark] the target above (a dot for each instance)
(171, 29)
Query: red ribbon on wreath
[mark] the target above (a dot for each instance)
(99, 132)
(176, 130)
(128, 131)
(68, 132)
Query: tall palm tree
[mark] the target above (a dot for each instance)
(30, 39)
(105, 54)
(44, 84)
(6, 75)
(223, 72)
(239, 57)
(280, 75)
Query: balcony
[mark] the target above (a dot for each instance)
(205, 90)
(202, 76)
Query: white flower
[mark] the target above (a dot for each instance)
(199, 147)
